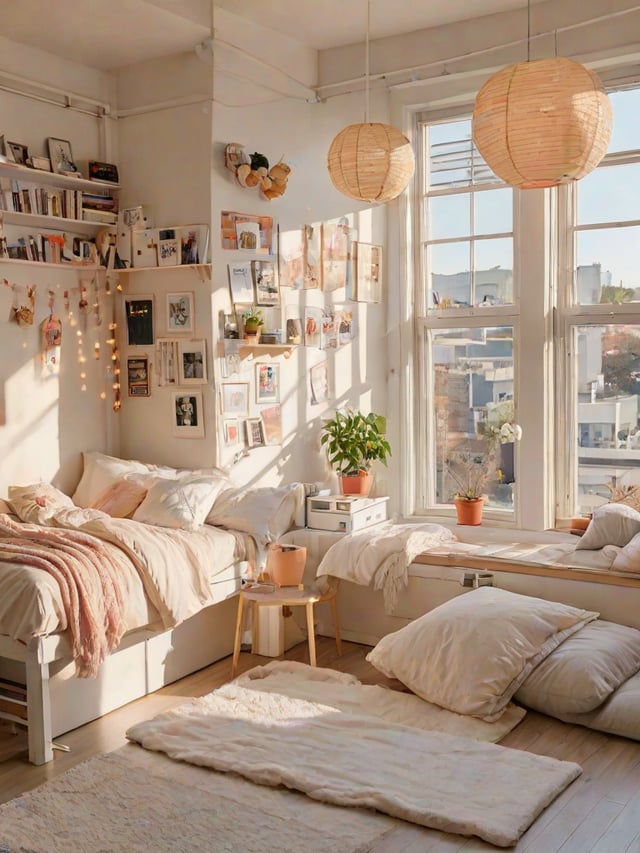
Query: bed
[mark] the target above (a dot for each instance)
(126, 586)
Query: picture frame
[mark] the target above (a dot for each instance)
(139, 319)
(319, 383)
(138, 376)
(180, 307)
(61, 156)
(240, 283)
(168, 252)
(41, 163)
(192, 363)
(105, 173)
(231, 431)
(271, 418)
(16, 153)
(257, 231)
(254, 432)
(368, 272)
(267, 382)
(188, 414)
(265, 282)
(234, 398)
(167, 359)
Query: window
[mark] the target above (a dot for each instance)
(528, 311)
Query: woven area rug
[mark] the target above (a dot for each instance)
(133, 801)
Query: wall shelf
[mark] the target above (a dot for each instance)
(245, 349)
(46, 265)
(53, 223)
(202, 270)
(39, 176)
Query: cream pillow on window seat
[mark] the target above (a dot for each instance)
(611, 524)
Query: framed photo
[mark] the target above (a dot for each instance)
(368, 273)
(264, 279)
(267, 383)
(188, 417)
(192, 366)
(319, 383)
(16, 152)
(234, 398)
(168, 253)
(240, 283)
(255, 433)
(42, 163)
(231, 431)
(167, 359)
(106, 173)
(139, 316)
(180, 312)
(61, 156)
(245, 231)
(271, 425)
(138, 376)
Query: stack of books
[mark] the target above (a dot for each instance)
(99, 208)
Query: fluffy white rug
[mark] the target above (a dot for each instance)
(437, 780)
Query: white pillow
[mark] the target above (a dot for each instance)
(265, 512)
(36, 503)
(472, 653)
(628, 560)
(583, 671)
(99, 472)
(182, 503)
(612, 524)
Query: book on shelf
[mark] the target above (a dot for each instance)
(106, 216)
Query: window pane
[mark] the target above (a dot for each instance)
(607, 268)
(493, 272)
(493, 211)
(610, 194)
(473, 384)
(453, 158)
(626, 108)
(608, 371)
(450, 265)
(449, 216)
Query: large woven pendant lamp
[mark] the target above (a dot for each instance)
(542, 123)
(370, 161)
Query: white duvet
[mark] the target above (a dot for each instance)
(165, 574)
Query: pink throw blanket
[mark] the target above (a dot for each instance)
(88, 578)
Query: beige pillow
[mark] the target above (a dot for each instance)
(265, 512)
(182, 503)
(472, 653)
(584, 670)
(628, 560)
(36, 503)
(618, 715)
(612, 524)
(120, 499)
(99, 472)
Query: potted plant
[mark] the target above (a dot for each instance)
(251, 321)
(353, 441)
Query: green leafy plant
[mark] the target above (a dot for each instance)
(353, 441)
(252, 318)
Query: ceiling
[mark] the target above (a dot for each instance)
(110, 34)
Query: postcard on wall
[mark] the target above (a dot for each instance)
(240, 283)
(231, 431)
(319, 383)
(168, 254)
(267, 382)
(247, 232)
(188, 417)
(264, 279)
(328, 335)
(312, 326)
(167, 357)
(272, 425)
(138, 376)
(139, 316)
(368, 273)
(335, 254)
(312, 256)
(293, 324)
(192, 366)
(345, 324)
(291, 258)
(180, 312)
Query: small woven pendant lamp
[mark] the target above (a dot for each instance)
(542, 123)
(370, 161)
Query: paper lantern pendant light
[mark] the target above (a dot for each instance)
(370, 162)
(542, 123)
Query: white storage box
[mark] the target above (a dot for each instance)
(345, 514)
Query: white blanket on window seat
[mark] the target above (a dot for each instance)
(381, 555)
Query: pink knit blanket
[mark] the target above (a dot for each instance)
(88, 578)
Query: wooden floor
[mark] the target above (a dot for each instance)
(599, 812)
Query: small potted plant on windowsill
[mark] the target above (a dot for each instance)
(353, 441)
(252, 320)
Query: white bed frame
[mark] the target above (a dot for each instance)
(146, 660)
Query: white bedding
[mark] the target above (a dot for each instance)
(30, 600)
(559, 555)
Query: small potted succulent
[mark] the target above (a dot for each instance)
(252, 320)
(353, 441)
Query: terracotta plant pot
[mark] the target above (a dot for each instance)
(285, 564)
(252, 335)
(358, 484)
(469, 511)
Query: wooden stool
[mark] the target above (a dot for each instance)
(285, 597)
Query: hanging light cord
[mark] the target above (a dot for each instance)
(366, 65)
(528, 30)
